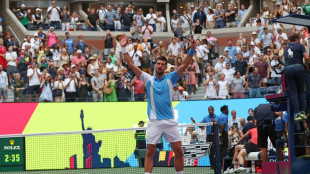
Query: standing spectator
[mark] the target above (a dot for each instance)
(54, 13)
(210, 88)
(74, 20)
(42, 35)
(136, 55)
(139, 18)
(223, 88)
(147, 31)
(228, 72)
(56, 55)
(254, 84)
(242, 11)
(219, 66)
(92, 20)
(52, 37)
(160, 49)
(78, 58)
(101, 11)
(108, 41)
(11, 58)
(123, 90)
(174, 47)
(126, 20)
(117, 22)
(37, 18)
(59, 85)
(240, 65)
(197, 30)
(267, 38)
(152, 18)
(306, 7)
(193, 11)
(34, 74)
(238, 86)
(24, 16)
(212, 40)
(219, 16)
(4, 84)
(7, 39)
(210, 19)
(202, 51)
(71, 83)
(69, 42)
(263, 70)
(146, 62)
(275, 68)
(2, 54)
(19, 87)
(97, 85)
(161, 23)
(138, 88)
(231, 16)
(65, 22)
(83, 86)
(201, 16)
(109, 18)
(47, 86)
(110, 83)
(134, 30)
(81, 45)
(232, 52)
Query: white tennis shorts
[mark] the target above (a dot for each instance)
(156, 131)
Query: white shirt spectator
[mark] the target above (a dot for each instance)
(273, 72)
(11, 55)
(183, 96)
(257, 51)
(56, 54)
(71, 87)
(116, 68)
(176, 95)
(229, 74)
(219, 66)
(110, 65)
(139, 19)
(26, 43)
(284, 36)
(136, 57)
(163, 22)
(202, 136)
(35, 43)
(101, 13)
(202, 52)
(151, 18)
(175, 49)
(54, 13)
(232, 121)
(35, 80)
(3, 79)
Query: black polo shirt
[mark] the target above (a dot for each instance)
(263, 112)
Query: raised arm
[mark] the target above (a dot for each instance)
(188, 59)
(136, 70)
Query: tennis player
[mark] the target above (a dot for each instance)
(160, 110)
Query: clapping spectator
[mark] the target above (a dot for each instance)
(24, 16)
(228, 72)
(71, 83)
(151, 18)
(37, 18)
(54, 13)
(210, 88)
(219, 16)
(2, 54)
(59, 86)
(65, 22)
(78, 58)
(135, 30)
(231, 16)
(34, 74)
(263, 70)
(138, 88)
(97, 86)
(110, 82)
(147, 31)
(210, 19)
(47, 86)
(74, 19)
(123, 90)
(42, 35)
(80, 44)
(197, 30)
(126, 20)
(11, 58)
(101, 12)
(161, 23)
(285, 8)
(238, 86)
(19, 86)
(139, 18)
(174, 47)
(92, 20)
(201, 16)
(232, 50)
(52, 37)
(117, 22)
(242, 11)
(223, 88)
(109, 18)
(4, 84)
(278, 11)
(56, 55)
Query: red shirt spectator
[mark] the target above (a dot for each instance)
(78, 58)
(139, 86)
(263, 67)
(2, 54)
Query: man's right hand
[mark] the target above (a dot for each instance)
(123, 41)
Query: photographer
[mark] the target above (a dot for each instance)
(234, 134)
(276, 69)
(54, 13)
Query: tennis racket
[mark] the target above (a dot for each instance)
(181, 26)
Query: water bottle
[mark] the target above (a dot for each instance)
(253, 166)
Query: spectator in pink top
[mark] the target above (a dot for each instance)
(212, 40)
(147, 31)
(78, 58)
(52, 37)
(138, 88)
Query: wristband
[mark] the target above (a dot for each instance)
(191, 52)
(124, 50)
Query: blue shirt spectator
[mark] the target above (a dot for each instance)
(232, 51)
(68, 41)
(242, 11)
(201, 16)
(109, 16)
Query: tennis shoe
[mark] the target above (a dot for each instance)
(229, 171)
(300, 116)
(240, 170)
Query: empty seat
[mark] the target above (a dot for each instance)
(272, 89)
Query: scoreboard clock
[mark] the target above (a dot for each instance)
(12, 154)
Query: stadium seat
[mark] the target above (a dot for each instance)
(272, 89)
(263, 90)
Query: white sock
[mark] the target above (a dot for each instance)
(147, 173)
(180, 172)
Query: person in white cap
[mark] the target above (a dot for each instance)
(219, 66)
(35, 41)
(256, 50)
(78, 58)
(48, 86)
(193, 11)
(24, 16)
(37, 19)
(54, 12)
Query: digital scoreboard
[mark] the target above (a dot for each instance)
(12, 154)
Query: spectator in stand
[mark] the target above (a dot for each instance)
(232, 52)
(117, 22)
(197, 29)
(101, 11)
(193, 11)
(161, 23)
(24, 16)
(56, 55)
(138, 88)
(228, 72)
(223, 88)
(37, 18)
(231, 16)
(242, 11)
(276, 69)
(278, 11)
(109, 18)
(292, 8)
(123, 90)
(7, 40)
(160, 49)
(139, 18)
(210, 19)
(210, 88)
(108, 41)
(136, 55)
(265, 15)
(151, 18)
(52, 37)
(238, 86)
(2, 55)
(219, 16)
(267, 38)
(47, 86)
(65, 22)
(74, 20)
(201, 16)
(81, 45)
(126, 20)
(258, 17)
(54, 13)
(71, 83)
(4, 84)
(110, 82)
(19, 87)
(147, 31)
(97, 84)
(254, 84)
(281, 33)
(93, 20)
(212, 40)
(34, 74)
(83, 86)
(263, 70)
(306, 7)
(78, 58)
(42, 35)
(11, 58)
(69, 42)
(146, 62)
(206, 7)
(174, 47)
(241, 65)
(59, 85)
(134, 30)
